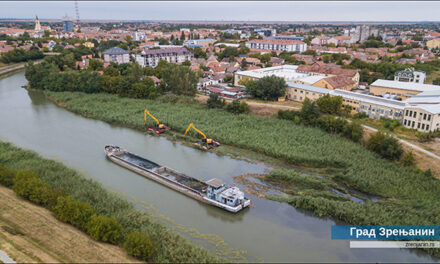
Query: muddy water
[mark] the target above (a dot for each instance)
(271, 231)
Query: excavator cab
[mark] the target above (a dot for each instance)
(158, 128)
(206, 143)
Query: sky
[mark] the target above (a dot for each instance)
(227, 10)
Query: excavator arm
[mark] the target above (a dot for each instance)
(192, 126)
(145, 117)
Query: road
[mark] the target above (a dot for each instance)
(5, 258)
(415, 147)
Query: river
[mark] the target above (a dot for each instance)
(270, 232)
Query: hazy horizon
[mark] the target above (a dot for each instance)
(218, 11)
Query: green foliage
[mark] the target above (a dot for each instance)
(29, 186)
(386, 146)
(105, 229)
(214, 101)
(238, 107)
(267, 88)
(390, 124)
(309, 111)
(353, 131)
(228, 52)
(330, 104)
(425, 136)
(291, 178)
(180, 80)
(140, 245)
(74, 212)
(408, 159)
(19, 55)
(360, 115)
(436, 81)
(6, 176)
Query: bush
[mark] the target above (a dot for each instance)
(238, 107)
(139, 245)
(214, 101)
(287, 114)
(103, 228)
(353, 131)
(425, 137)
(6, 176)
(29, 186)
(386, 146)
(408, 159)
(360, 115)
(390, 123)
(73, 212)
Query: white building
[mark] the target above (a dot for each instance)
(116, 55)
(151, 57)
(277, 45)
(410, 75)
(422, 111)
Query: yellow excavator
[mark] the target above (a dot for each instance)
(206, 143)
(158, 128)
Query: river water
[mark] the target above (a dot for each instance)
(270, 232)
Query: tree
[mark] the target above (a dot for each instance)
(96, 65)
(29, 186)
(103, 228)
(139, 245)
(186, 63)
(243, 64)
(309, 111)
(238, 107)
(182, 36)
(73, 212)
(214, 101)
(436, 81)
(180, 80)
(386, 146)
(353, 131)
(330, 104)
(267, 88)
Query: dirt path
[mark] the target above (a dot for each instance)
(29, 233)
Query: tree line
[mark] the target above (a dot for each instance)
(20, 55)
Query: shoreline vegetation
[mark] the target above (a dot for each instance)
(86, 205)
(408, 194)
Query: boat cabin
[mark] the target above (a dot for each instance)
(217, 191)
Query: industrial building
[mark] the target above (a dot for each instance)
(400, 90)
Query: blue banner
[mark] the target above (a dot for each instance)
(351, 232)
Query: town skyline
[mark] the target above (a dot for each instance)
(299, 11)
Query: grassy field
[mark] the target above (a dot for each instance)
(30, 233)
(171, 246)
(408, 194)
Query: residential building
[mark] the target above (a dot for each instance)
(277, 45)
(116, 55)
(320, 40)
(400, 90)
(67, 24)
(433, 43)
(151, 57)
(201, 43)
(410, 75)
(339, 40)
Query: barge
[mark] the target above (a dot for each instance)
(214, 192)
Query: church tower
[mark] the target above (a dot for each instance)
(37, 24)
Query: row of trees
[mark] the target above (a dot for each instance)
(127, 80)
(20, 55)
(268, 88)
(236, 107)
(77, 213)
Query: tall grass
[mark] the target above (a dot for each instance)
(172, 248)
(410, 196)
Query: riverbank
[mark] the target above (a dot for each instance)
(13, 68)
(408, 195)
(30, 233)
(170, 245)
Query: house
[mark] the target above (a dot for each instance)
(339, 40)
(320, 40)
(116, 55)
(336, 82)
(410, 75)
(433, 43)
(276, 61)
(329, 70)
(155, 80)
